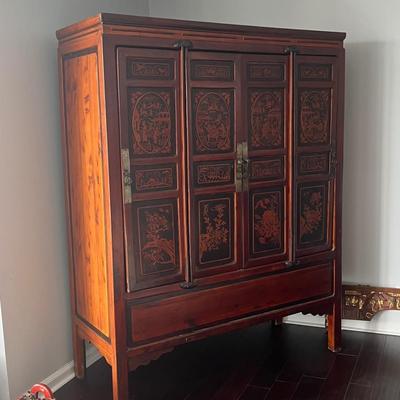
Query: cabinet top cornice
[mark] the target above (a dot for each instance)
(134, 22)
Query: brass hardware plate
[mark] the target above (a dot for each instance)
(242, 167)
(239, 167)
(126, 176)
(333, 165)
(245, 177)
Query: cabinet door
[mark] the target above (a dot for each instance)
(266, 153)
(214, 105)
(315, 153)
(151, 141)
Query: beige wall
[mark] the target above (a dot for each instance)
(33, 254)
(372, 123)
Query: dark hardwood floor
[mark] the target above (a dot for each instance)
(260, 363)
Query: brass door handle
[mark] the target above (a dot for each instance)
(239, 175)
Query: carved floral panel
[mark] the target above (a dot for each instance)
(152, 121)
(157, 236)
(314, 116)
(266, 118)
(215, 230)
(209, 70)
(266, 221)
(149, 69)
(212, 120)
(312, 215)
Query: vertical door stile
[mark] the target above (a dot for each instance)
(184, 47)
(292, 157)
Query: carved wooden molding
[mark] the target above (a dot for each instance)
(362, 302)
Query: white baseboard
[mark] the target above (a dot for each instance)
(383, 326)
(66, 373)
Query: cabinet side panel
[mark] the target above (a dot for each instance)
(86, 189)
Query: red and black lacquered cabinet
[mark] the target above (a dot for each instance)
(203, 175)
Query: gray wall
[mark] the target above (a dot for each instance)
(33, 264)
(372, 121)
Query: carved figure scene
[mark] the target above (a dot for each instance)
(213, 125)
(266, 114)
(314, 116)
(152, 125)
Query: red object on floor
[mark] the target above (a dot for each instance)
(39, 391)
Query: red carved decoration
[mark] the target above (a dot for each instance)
(312, 214)
(266, 118)
(314, 116)
(267, 221)
(211, 174)
(213, 120)
(150, 69)
(265, 72)
(212, 70)
(157, 238)
(315, 72)
(152, 121)
(314, 163)
(261, 170)
(215, 230)
(155, 179)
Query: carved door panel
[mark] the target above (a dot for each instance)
(152, 162)
(266, 124)
(213, 96)
(315, 153)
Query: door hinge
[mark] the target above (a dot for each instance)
(334, 163)
(126, 176)
(188, 285)
(292, 49)
(239, 167)
(186, 44)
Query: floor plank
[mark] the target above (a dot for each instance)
(281, 391)
(368, 361)
(254, 393)
(358, 392)
(338, 379)
(309, 388)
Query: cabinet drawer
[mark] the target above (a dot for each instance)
(201, 308)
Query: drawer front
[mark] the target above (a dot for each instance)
(157, 319)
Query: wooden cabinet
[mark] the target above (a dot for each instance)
(203, 179)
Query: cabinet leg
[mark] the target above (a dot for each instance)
(120, 382)
(79, 354)
(335, 329)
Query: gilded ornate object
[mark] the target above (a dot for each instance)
(364, 302)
